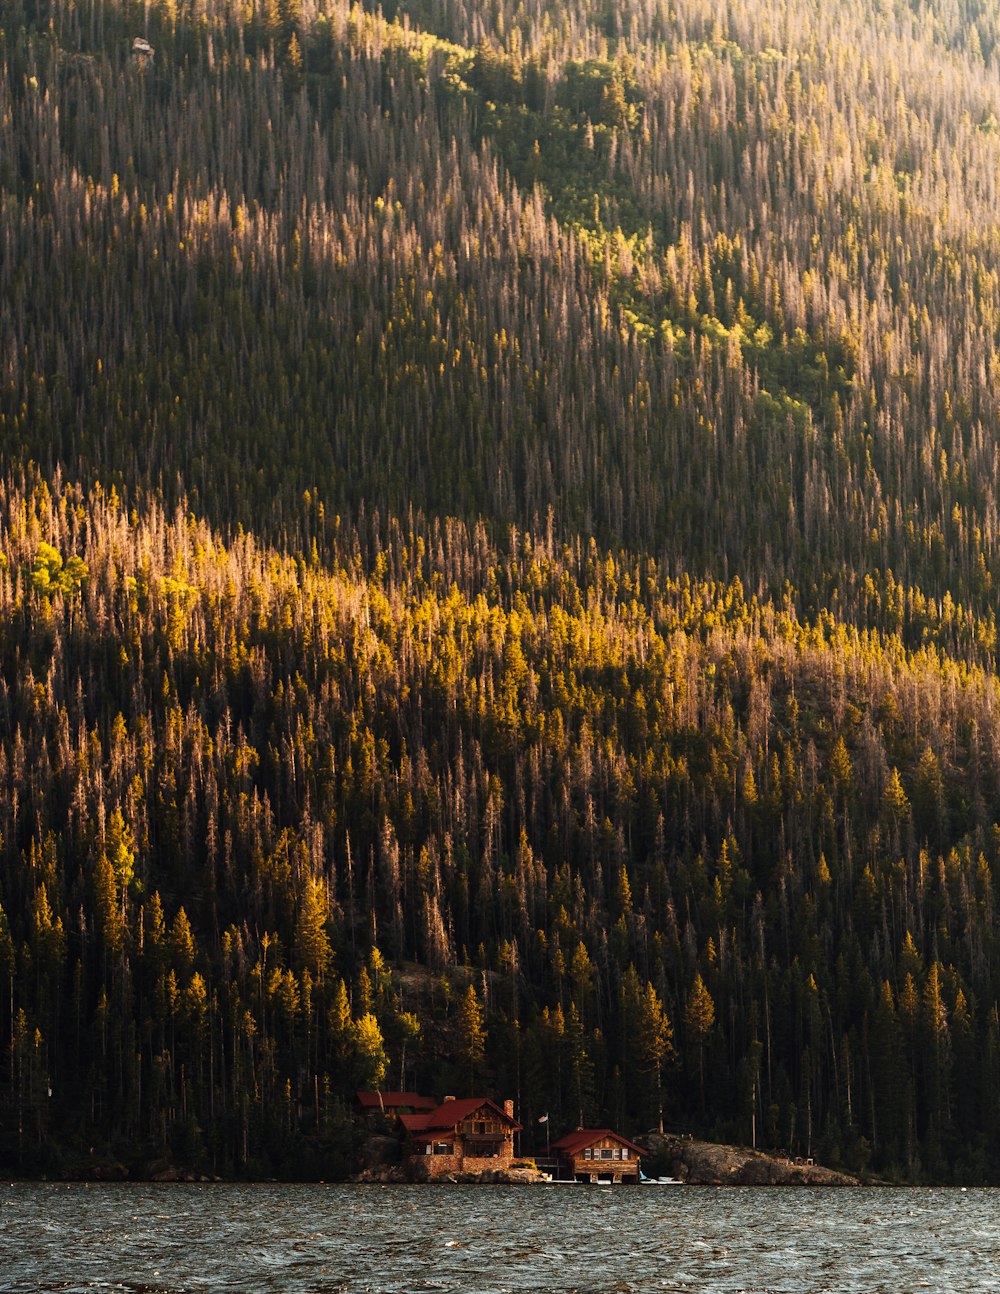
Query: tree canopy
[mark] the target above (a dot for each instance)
(498, 547)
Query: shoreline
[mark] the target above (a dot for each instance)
(687, 1161)
(708, 1163)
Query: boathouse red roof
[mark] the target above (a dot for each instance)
(574, 1142)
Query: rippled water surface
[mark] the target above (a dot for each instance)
(491, 1239)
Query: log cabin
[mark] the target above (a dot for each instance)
(597, 1155)
(469, 1135)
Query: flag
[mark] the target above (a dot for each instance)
(543, 1118)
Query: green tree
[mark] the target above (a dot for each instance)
(312, 946)
(579, 1068)
(657, 1044)
(370, 1061)
(699, 1021)
(470, 1036)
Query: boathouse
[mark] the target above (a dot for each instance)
(597, 1155)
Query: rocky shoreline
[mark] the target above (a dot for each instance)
(705, 1163)
(402, 1174)
(691, 1162)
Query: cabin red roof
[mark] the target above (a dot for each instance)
(414, 1123)
(574, 1142)
(451, 1113)
(394, 1100)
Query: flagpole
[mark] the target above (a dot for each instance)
(544, 1118)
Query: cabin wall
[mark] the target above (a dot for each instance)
(617, 1169)
(459, 1162)
(593, 1166)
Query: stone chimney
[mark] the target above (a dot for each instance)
(508, 1109)
(447, 1099)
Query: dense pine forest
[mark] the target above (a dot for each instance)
(498, 549)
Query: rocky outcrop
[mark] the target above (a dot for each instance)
(413, 1170)
(492, 1177)
(100, 1171)
(112, 1171)
(380, 1151)
(173, 1174)
(386, 1175)
(703, 1163)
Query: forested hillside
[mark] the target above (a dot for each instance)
(498, 536)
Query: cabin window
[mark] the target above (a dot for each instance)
(479, 1127)
(588, 1153)
(442, 1148)
(605, 1154)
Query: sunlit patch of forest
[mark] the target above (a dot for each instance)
(498, 547)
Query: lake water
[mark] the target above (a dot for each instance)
(408, 1240)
